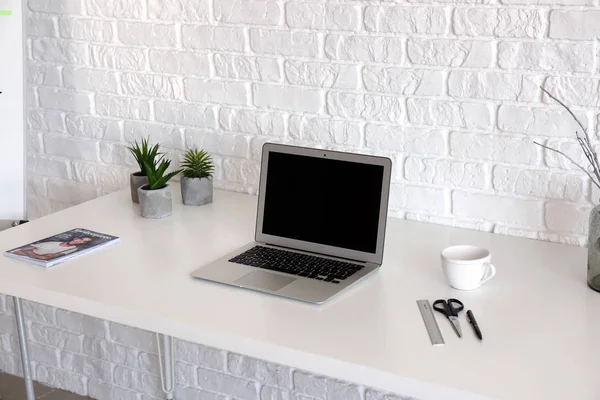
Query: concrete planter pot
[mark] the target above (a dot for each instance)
(135, 181)
(196, 191)
(155, 204)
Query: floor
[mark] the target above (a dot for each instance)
(13, 388)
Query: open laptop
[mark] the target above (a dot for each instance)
(320, 226)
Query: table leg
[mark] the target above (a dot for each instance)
(167, 373)
(29, 392)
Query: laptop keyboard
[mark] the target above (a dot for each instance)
(305, 265)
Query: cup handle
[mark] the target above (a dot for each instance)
(489, 273)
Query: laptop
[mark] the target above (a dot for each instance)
(320, 226)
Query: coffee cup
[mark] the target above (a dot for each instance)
(467, 267)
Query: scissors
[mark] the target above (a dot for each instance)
(450, 309)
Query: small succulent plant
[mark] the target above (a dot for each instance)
(197, 164)
(144, 154)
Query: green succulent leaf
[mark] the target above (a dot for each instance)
(145, 154)
(157, 173)
(197, 164)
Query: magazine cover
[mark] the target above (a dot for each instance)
(61, 247)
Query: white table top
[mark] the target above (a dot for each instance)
(540, 322)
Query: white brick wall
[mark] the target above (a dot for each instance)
(447, 89)
(109, 361)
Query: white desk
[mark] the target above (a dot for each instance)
(540, 322)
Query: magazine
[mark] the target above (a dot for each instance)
(62, 247)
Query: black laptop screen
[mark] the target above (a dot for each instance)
(323, 201)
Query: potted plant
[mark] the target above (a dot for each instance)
(197, 183)
(143, 154)
(155, 197)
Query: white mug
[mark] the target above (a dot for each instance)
(467, 267)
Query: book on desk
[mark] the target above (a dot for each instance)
(62, 247)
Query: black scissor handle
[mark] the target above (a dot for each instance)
(449, 308)
(456, 306)
(443, 307)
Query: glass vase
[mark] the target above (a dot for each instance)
(593, 273)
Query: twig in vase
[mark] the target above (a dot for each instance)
(584, 142)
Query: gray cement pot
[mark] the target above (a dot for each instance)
(155, 204)
(196, 191)
(135, 181)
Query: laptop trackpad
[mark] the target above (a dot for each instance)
(265, 281)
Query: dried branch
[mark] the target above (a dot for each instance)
(588, 142)
(570, 159)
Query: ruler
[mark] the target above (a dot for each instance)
(430, 322)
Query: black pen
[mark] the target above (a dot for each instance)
(472, 321)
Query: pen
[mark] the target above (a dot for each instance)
(473, 321)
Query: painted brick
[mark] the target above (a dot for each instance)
(250, 68)
(115, 8)
(403, 81)
(74, 322)
(103, 349)
(218, 382)
(179, 63)
(375, 395)
(45, 120)
(493, 86)
(44, 354)
(364, 48)
(260, 12)
(122, 107)
(539, 183)
(185, 374)
(409, 140)
(525, 23)
(106, 391)
(322, 74)
(57, 99)
(576, 57)
(184, 392)
(147, 34)
(121, 58)
(223, 144)
(574, 24)
(90, 30)
(449, 113)
(89, 367)
(206, 91)
(542, 121)
(100, 175)
(222, 38)
(446, 172)
(270, 41)
(59, 51)
(312, 15)
(241, 171)
(419, 199)
(270, 393)
(70, 147)
(288, 98)
(498, 209)
(84, 126)
(574, 91)
(452, 53)
(324, 130)
(495, 148)
(261, 371)
(56, 6)
(133, 337)
(148, 85)
(567, 217)
(43, 74)
(116, 153)
(251, 121)
(179, 10)
(42, 165)
(571, 148)
(57, 378)
(41, 25)
(399, 19)
(185, 114)
(369, 107)
(167, 136)
(90, 80)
